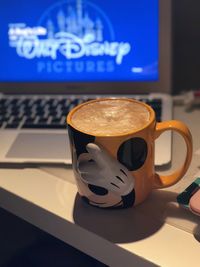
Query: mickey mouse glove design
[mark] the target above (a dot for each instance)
(100, 170)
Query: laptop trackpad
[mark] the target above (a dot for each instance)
(39, 145)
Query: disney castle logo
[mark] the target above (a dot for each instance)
(69, 30)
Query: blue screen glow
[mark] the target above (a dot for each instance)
(79, 40)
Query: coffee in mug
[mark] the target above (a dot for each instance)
(112, 145)
(110, 117)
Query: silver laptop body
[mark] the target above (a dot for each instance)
(44, 146)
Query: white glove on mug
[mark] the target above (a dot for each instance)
(103, 174)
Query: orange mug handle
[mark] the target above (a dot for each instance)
(162, 181)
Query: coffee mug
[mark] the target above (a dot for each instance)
(112, 146)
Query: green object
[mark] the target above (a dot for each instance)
(184, 197)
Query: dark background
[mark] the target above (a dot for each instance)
(17, 236)
(185, 44)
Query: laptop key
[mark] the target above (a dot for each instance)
(42, 120)
(27, 102)
(15, 120)
(43, 126)
(55, 120)
(53, 113)
(12, 125)
(29, 121)
(63, 102)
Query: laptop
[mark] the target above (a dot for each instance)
(57, 54)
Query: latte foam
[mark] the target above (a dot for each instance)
(110, 117)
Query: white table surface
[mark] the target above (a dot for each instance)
(156, 233)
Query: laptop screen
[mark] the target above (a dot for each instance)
(79, 40)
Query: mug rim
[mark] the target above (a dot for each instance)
(149, 108)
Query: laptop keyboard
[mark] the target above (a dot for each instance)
(47, 112)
